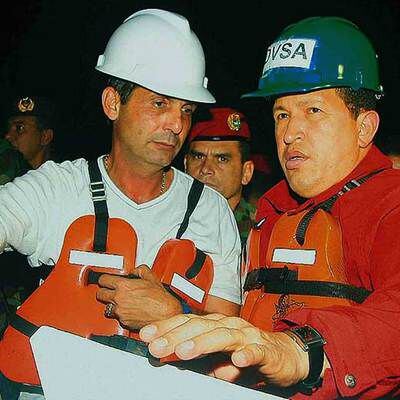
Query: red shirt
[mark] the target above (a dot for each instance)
(363, 341)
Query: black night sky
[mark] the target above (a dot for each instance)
(51, 47)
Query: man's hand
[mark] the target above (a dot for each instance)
(276, 356)
(137, 302)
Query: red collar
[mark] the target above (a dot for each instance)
(282, 199)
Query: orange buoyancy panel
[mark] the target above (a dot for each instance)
(66, 300)
(318, 260)
(187, 271)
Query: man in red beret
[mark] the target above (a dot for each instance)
(219, 155)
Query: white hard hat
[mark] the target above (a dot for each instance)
(157, 50)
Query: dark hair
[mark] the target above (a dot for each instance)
(123, 87)
(357, 100)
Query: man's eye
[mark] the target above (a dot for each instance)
(159, 103)
(188, 109)
(223, 159)
(19, 128)
(281, 116)
(197, 156)
(315, 110)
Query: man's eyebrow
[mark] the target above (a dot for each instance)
(278, 108)
(195, 152)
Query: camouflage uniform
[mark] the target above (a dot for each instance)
(244, 214)
(12, 163)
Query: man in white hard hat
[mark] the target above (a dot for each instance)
(114, 214)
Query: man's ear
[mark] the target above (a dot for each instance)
(46, 137)
(368, 123)
(184, 162)
(247, 172)
(111, 103)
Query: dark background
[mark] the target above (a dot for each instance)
(51, 47)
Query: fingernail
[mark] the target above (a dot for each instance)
(147, 332)
(160, 343)
(185, 347)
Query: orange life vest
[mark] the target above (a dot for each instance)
(67, 298)
(303, 267)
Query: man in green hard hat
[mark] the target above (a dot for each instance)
(335, 336)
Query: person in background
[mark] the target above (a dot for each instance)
(29, 139)
(218, 154)
(330, 229)
(31, 128)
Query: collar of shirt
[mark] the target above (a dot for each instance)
(283, 199)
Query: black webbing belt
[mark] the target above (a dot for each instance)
(284, 281)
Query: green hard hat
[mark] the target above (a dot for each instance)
(317, 53)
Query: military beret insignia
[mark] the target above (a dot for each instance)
(26, 104)
(234, 122)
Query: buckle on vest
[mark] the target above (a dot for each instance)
(260, 277)
(255, 279)
(97, 191)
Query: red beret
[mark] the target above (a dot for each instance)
(225, 124)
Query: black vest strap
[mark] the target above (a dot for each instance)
(193, 199)
(284, 281)
(22, 325)
(10, 390)
(124, 343)
(327, 205)
(98, 192)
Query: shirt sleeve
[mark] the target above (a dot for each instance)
(362, 340)
(226, 282)
(32, 210)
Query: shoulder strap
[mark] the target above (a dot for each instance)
(328, 204)
(98, 193)
(193, 198)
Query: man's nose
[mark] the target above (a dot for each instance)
(207, 167)
(174, 122)
(9, 135)
(294, 130)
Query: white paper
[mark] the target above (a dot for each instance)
(74, 368)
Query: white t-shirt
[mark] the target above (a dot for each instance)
(37, 208)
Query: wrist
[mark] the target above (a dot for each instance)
(310, 342)
(181, 307)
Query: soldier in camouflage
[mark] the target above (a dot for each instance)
(218, 154)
